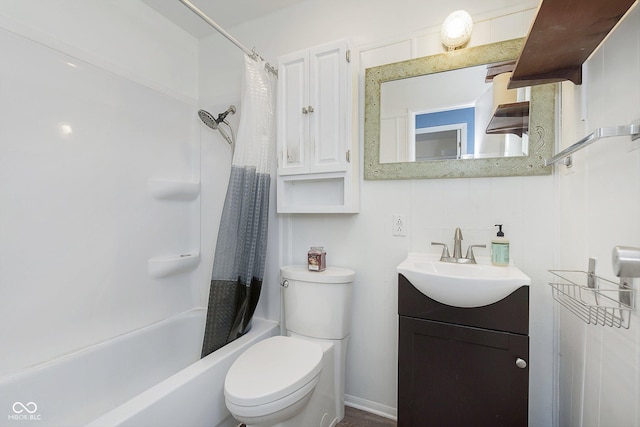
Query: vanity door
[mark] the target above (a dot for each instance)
(453, 375)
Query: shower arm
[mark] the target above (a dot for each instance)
(251, 53)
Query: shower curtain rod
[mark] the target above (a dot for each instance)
(252, 53)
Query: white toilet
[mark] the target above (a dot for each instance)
(298, 380)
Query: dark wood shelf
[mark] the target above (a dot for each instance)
(499, 68)
(563, 35)
(510, 118)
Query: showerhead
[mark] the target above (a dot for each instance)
(214, 123)
(208, 119)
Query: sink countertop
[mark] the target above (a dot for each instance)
(461, 285)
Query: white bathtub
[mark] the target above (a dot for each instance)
(149, 377)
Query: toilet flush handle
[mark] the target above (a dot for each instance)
(285, 284)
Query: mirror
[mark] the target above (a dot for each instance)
(422, 119)
(429, 117)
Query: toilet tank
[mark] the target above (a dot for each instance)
(317, 304)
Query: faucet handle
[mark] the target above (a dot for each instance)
(469, 255)
(445, 250)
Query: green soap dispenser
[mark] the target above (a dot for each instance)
(500, 249)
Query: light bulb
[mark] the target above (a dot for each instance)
(456, 29)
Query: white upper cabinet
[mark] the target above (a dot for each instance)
(317, 163)
(313, 110)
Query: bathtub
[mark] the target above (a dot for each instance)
(149, 377)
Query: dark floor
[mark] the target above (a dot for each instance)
(356, 418)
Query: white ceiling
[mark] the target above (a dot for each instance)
(225, 13)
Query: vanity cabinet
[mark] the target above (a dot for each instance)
(315, 172)
(462, 366)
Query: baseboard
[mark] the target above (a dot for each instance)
(369, 406)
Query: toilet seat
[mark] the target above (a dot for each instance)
(272, 375)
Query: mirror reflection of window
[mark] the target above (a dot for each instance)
(437, 145)
(404, 100)
(450, 133)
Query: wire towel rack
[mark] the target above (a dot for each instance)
(596, 301)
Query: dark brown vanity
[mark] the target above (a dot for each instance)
(462, 366)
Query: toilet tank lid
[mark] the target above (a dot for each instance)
(330, 275)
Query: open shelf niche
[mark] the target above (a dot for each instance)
(170, 191)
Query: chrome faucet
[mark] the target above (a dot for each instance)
(457, 244)
(457, 257)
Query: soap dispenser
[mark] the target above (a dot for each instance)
(500, 249)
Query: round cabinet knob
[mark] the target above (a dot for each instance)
(521, 363)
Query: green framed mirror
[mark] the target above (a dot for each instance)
(538, 134)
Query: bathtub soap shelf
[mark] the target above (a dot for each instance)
(166, 266)
(164, 189)
(595, 300)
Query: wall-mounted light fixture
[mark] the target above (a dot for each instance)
(456, 29)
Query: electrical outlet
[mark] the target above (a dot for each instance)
(399, 225)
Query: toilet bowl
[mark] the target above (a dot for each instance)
(273, 380)
(297, 380)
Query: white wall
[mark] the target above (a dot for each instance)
(78, 223)
(364, 241)
(125, 37)
(599, 208)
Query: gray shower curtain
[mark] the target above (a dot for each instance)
(240, 253)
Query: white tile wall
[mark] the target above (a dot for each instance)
(599, 207)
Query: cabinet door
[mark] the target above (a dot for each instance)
(450, 375)
(328, 86)
(293, 123)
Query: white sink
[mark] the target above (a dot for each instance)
(461, 285)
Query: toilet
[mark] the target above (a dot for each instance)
(298, 379)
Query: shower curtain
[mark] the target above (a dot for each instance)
(238, 266)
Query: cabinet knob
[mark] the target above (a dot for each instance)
(304, 110)
(521, 363)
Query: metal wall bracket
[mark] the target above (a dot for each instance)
(625, 297)
(564, 156)
(626, 265)
(591, 274)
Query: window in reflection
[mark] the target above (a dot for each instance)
(461, 96)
